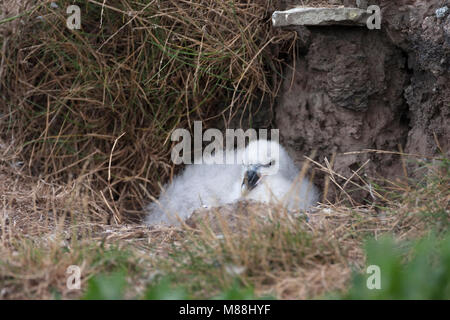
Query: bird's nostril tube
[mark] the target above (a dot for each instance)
(251, 179)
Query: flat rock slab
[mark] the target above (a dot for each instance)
(307, 16)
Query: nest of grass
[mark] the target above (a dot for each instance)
(283, 254)
(136, 70)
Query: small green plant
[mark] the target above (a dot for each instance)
(106, 287)
(163, 290)
(113, 287)
(239, 292)
(419, 270)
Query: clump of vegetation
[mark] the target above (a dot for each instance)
(112, 287)
(136, 70)
(307, 257)
(282, 255)
(407, 271)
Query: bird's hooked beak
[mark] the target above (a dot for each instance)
(251, 179)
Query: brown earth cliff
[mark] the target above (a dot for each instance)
(351, 88)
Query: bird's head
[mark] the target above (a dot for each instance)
(261, 158)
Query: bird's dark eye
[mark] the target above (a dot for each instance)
(271, 163)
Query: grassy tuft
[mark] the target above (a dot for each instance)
(136, 70)
(419, 270)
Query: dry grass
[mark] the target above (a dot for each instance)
(136, 70)
(286, 255)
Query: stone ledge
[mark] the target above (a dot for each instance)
(307, 16)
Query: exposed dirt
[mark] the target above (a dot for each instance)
(351, 89)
